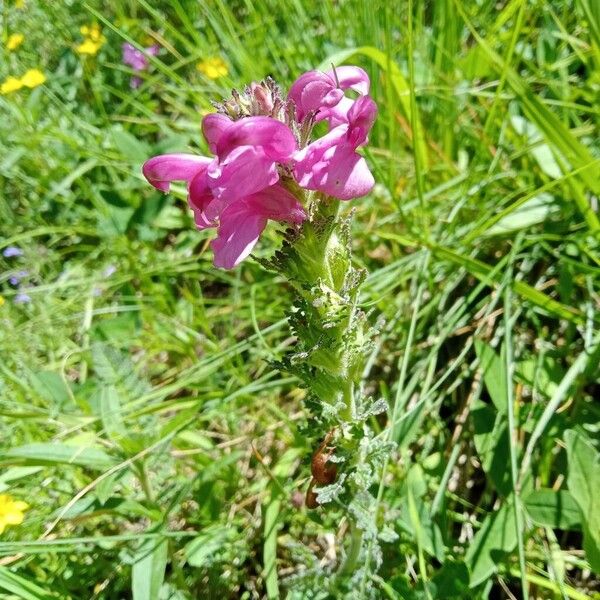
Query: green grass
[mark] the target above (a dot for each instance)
(141, 417)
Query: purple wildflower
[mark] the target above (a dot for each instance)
(11, 251)
(22, 298)
(138, 61)
(16, 278)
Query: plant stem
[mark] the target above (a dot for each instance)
(356, 539)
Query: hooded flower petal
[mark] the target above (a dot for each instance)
(323, 93)
(161, 170)
(312, 92)
(349, 77)
(239, 231)
(272, 136)
(213, 127)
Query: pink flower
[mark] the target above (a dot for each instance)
(137, 60)
(248, 152)
(331, 164)
(318, 92)
(238, 190)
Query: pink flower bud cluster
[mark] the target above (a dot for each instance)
(261, 156)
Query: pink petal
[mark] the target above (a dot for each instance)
(161, 170)
(200, 198)
(272, 136)
(350, 77)
(318, 97)
(331, 165)
(338, 114)
(311, 78)
(277, 203)
(361, 117)
(347, 176)
(213, 126)
(245, 171)
(239, 231)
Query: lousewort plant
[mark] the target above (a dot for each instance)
(267, 165)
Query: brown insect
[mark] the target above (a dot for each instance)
(323, 472)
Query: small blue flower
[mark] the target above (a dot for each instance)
(11, 251)
(22, 298)
(16, 278)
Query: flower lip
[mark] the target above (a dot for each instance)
(161, 170)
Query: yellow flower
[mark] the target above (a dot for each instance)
(213, 68)
(33, 78)
(2, 301)
(10, 84)
(95, 33)
(19, 3)
(94, 40)
(14, 41)
(11, 511)
(88, 47)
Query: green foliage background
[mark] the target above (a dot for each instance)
(161, 453)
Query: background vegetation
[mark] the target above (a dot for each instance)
(159, 452)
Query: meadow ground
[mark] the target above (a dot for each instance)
(150, 448)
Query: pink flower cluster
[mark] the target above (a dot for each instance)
(261, 156)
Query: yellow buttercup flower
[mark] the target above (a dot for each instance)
(94, 40)
(95, 33)
(14, 41)
(10, 84)
(11, 511)
(33, 78)
(213, 68)
(30, 79)
(88, 47)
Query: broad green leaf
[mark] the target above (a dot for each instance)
(148, 572)
(452, 581)
(110, 412)
(492, 542)
(553, 509)
(51, 387)
(14, 474)
(201, 551)
(132, 149)
(533, 212)
(58, 454)
(492, 444)
(540, 151)
(584, 484)
(494, 374)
